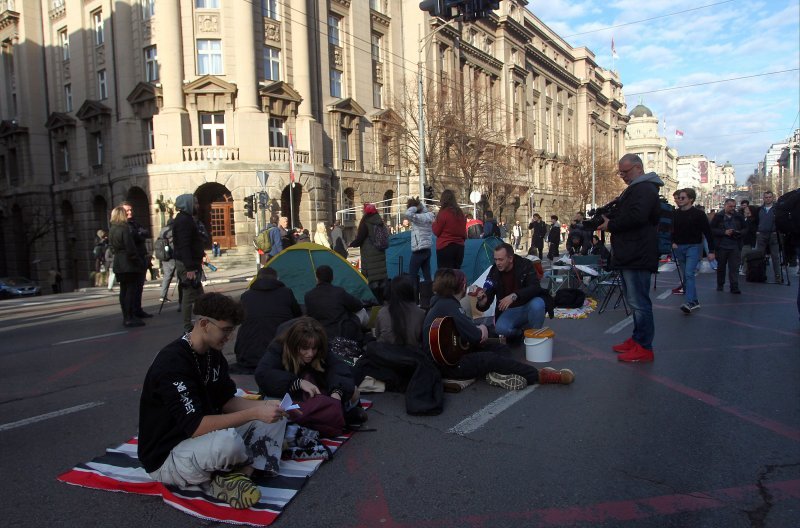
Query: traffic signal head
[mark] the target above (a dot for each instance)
(248, 206)
(429, 192)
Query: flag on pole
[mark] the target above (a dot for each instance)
(291, 159)
(678, 134)
(613, 50)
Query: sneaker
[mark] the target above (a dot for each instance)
(719, 287)
(549, 375)
(236, 489)
(689, 307)
(164, 299)
(638, 354)
(678, 291)
(506, 381)
(133, 323)
(737, 291)
(625, 346)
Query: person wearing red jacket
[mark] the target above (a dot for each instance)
(450, 228)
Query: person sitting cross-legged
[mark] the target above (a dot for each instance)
(193, 429)
(492, 361)
(521, 300)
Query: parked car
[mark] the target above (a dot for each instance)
(18, 287)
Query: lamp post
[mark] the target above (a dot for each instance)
(421, 125)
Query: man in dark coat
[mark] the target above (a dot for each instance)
(634, 251)
(554, 238)
(333, 307)
(189, 241)
(267, 304)
(538, 232)
(521, 301)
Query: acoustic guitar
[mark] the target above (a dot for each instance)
(447, 346)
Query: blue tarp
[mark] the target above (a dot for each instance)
(478, 255)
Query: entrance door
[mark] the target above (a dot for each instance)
(222, 227)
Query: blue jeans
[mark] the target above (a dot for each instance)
(420, 260)
(636, 287)
(514, 321)
(687, 256)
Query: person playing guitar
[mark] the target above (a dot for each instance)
(494, 362)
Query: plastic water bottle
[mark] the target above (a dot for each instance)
(210, 266)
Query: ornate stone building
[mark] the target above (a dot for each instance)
(642, 138)
(142, 100)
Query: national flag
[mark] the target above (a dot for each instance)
(613, 49)
(291, 159)
(678, 134)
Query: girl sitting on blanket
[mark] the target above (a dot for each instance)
(298, 362)
(400, 321)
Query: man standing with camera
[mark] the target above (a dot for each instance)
(188, 241)
(727, 227)
(634, 243)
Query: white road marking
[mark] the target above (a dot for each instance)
(89, 338)
(47, 416)
(664, 295)
(479, 418)
(620, 325)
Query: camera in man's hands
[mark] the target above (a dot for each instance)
(192, 283)
(596, 219)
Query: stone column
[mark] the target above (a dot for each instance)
(171, 125)
(305, 59)
(251, 123)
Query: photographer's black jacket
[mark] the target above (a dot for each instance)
(634, 236)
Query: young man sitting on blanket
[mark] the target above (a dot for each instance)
(193, 430)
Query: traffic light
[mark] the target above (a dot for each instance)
(262, 200)
(446, 9)
(429, 192)
(248, 206)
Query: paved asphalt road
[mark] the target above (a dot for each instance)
(706, 436)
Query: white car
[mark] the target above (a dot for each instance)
(18, 287)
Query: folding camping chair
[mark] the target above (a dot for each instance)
(611, 284)
(587, 270)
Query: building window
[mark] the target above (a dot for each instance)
(375, 5)
(102, 87)
(212, 130)
(272, 64)
(207, 4)
(97, 26)
(150, 64)
(63, 40)
(97, 150)
(344, 143)
(376, 47)
(269, 9)
(383, 150)
(334, 24)
(209, 57)
(377, 92)
(336, 83)
(68, 97)
(150, 137)
(148, 9)
(63, 157)
(277, 133)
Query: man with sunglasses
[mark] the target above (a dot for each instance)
(689, 226)
(193, 429)
(634, 251)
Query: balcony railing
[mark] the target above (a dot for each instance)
(210, 153)
(140, 159)
(58, 9)
(349, 165)
(282, 154)
(7, 5)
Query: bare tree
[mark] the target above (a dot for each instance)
(574, 181)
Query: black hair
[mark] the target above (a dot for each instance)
(325, 274)
(401, 293)
(219, 307)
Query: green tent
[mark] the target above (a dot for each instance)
(297, 265)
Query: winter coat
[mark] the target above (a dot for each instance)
(449, 228)
(373, 260)
(127, 259)
(723, 241)
(267, 304)
(528, 287)
(332, 306)
(188, 240)
(274, 380)
(539, 230)
(633, 225)
(421, 227)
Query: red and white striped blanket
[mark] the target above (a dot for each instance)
(120, 470)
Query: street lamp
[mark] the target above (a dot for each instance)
(421, 125)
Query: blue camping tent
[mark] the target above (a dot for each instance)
(478, 255)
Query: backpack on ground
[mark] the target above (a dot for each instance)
(570, 298)
(666, 215)
(787, 213)
(380, 236)
(756, 266)
(263, 241)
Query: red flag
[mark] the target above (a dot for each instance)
(613, 49)
(678, 133)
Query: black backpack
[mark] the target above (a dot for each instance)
(756, 266)
(162, 248)
(787, 213)
(666, 215)
(570, 298)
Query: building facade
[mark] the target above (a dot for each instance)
(107, 101)
(642, 138)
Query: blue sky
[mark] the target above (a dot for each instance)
(679, 43)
